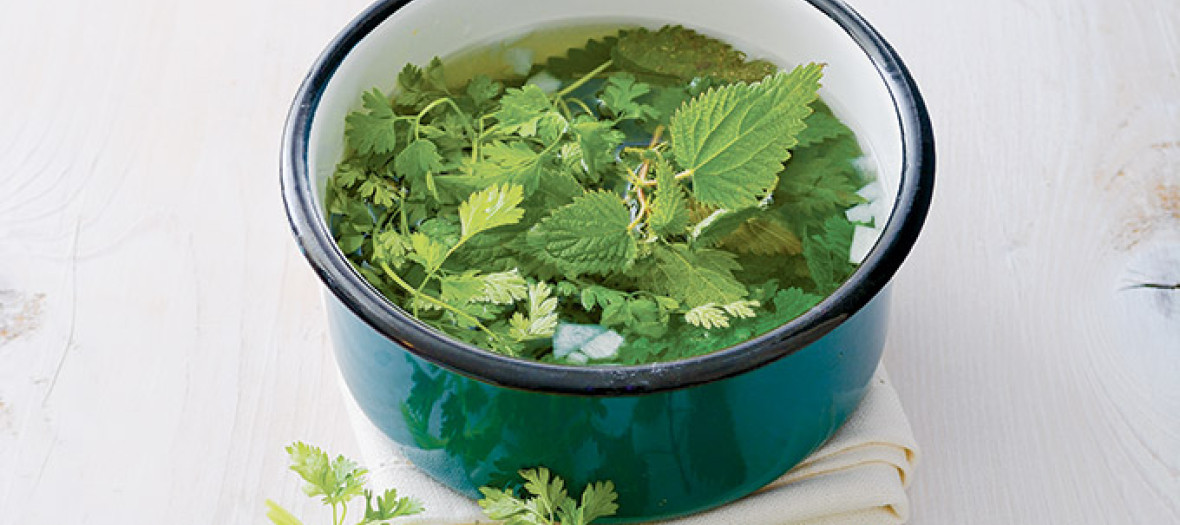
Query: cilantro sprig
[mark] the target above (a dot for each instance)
(338, 481)
(670, 191)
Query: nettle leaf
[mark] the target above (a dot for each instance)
(669, 208)
(734, 139)
(763, 236)
(695, 276)
(372, 131)
(589, 235)
(582, 60)
(821, 126)
(792, 302)
(492, 207)
(827, 253)
(684, 54)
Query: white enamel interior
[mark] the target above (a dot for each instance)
(786, 32)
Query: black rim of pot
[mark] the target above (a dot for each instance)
(882, 262)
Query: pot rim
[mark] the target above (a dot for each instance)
(897, 239)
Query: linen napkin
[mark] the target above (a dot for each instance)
(857, 478)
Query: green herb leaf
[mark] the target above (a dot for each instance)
(487, 209)
(734, 139)
(684, 54)
(695, 277)
(372, 131)
(279, 516)
(522, 109)
(587, 236)
(582, 60)
(621, 96)
(669, 208)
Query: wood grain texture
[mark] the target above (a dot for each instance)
(161, 338)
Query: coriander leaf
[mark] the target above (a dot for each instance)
(598, 501)
(513, 163)
(597, 141)
(337, 480)
(427, 252)
(707, 316)
(669, 208)
(418, 163)
(483, 90)
(460, 288)
(542, 315)
(522, 110)
(694, 276)
(389, 506)
(487, 209)
(684, 54)
(279, 516)
(390, 248)
(588, 236)
(372, 131)
(734, 139)
(501, 504)
(549, 491)
(503, 287)
(620, 97)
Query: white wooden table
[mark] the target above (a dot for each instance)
(161, 338)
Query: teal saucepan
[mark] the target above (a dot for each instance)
(675, 437)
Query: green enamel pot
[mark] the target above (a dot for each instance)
(676, 437)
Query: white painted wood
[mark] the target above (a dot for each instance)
(161, 338)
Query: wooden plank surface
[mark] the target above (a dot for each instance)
(161, 338)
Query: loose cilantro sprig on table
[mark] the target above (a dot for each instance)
(339, 481)
(670, 191)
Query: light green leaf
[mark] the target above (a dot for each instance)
(460, 288)
(734, 139)
(694, 277)
(279, 516)
(427, 252)
(707, 316)
(522, 110)
(492, 207)
(418, 162)
(542, 315)
(669, 208)
(588, 235)
(599, 501)
(503, 287)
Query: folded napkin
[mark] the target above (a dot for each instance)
(858, 477)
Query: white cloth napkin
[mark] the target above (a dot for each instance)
(858, 477)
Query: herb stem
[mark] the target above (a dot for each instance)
(683, 175)
(406, 286)
(585, 78)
